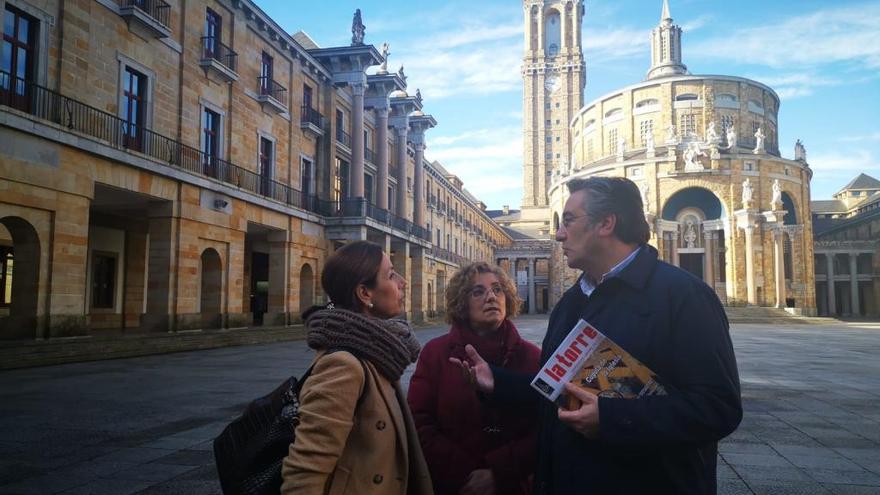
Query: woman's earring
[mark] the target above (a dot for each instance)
(370, 305)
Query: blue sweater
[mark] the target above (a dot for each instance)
(675, 324)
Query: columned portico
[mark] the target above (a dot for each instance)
(357, 138)
(380, 86)
(400, 171)
(419, 123)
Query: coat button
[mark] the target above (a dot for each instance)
(380, 425)
(377, 479)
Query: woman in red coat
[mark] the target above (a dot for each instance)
(473, 447)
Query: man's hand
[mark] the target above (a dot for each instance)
(479, 482)
(585, 419)
(475, 370)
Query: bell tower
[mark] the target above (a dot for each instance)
(666, 47)
(554, 76)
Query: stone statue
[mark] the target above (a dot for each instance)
(711, 133)
(759, 141)
(621, 147)
(670, 135)
(645, 189)
(747, 193)
(776, 199)
(385, 52)
(419, 95)
(800, 153)
(690, 235)
(731, 138)
(401, 75)
(649, 141)
(692, 157)
(357, 29)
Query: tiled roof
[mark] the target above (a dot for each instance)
(863, 181)
(827, 206)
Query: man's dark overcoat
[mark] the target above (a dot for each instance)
(674, 323)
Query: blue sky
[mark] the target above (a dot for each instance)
(822, 58)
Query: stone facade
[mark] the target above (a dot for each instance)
(721, 201)
(189, 165)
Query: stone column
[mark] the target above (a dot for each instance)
(357, 139)
(854, 284)
(277, 305)
(382, 158)
(751, 288)
(532, 286)
(402, 210)
(708, 259)
(832, 300)
(401, 262)
(160, 275)
(779, 266)
(541, 30)
(513, 270)
(417, 283)
(563, 30)
(418, 186)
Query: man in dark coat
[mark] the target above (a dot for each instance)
(667, 319)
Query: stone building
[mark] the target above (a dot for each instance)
(847, 250)
(721, 200)
(169, 165)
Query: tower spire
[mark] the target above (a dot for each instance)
(666, 47)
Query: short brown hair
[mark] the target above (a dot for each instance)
(351, 265)
(458, 292)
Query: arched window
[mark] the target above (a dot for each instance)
(613, 113)
(647, 103)
(687, 97)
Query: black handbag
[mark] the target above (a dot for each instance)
(249, 451)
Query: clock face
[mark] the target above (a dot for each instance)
(552, 84)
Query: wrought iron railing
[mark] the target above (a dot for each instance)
(273, 89)
(447, 255)
(212, 48)
(343, 137)
(157, 9)
(360, 207)
(309, 115)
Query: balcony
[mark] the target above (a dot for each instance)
(218, 60)
(272, 95)
(343, 138)
(358, 211)
(311, 121)
(149, 18)
(78, 118)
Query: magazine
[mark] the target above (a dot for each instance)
(594, 362)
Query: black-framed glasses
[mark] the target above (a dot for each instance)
(480, 292)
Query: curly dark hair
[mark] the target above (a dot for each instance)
(458, 292)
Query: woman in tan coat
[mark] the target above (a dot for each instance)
(356, 434)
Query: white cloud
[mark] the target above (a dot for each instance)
(832, 170)
(848, 34)
(602, 45)
(488, 161)
(855, 139)
(698, 23)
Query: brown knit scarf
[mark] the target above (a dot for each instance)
(389, 344)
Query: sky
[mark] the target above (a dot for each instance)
(822, 58)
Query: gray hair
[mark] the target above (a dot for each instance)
(616, 196)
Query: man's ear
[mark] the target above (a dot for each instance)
(607, 224)
(364, 295)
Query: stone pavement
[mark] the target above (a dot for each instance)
(144, 425)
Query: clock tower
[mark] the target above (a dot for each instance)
(554, 77)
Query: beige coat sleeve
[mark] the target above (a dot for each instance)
(327, 406)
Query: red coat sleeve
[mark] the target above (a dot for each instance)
(449, 464)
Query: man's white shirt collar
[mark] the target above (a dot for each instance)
(587, 287)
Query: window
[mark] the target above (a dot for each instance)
(590, 149)
(727, 122)
(307, 177)
(103, 280)
(340, 181)
(267, 165)
(267, 68)
(647, 103)
(688, 124)
(368, 188)
(612, 141)
(134, 89)
(211, 142)
(213, 27)
(687, 97)
(307, 96)
(6, 262)
(17, 57)
(646, 127)
(340, 126)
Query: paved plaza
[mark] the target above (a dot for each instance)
(144, 425)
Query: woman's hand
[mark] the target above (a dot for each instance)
(475, 370)
(479, 482)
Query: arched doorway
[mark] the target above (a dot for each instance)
(692, 230)
(19, 279)
(211, 288)
(306, 288)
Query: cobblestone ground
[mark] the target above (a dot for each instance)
(144, 425)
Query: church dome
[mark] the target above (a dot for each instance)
(398, 93)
